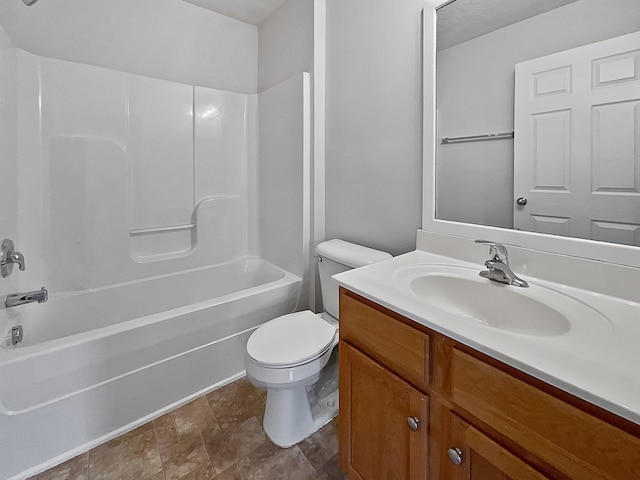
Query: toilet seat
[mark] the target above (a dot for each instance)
(291, 340)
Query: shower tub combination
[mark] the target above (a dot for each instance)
(104, 361)
(152, 271)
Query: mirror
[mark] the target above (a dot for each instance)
(538, 116)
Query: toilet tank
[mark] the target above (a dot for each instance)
(335, 256)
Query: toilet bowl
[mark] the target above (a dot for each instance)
(295, 357)
(293, 362)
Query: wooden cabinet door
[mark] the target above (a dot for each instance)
(482, 458)
(376, 441)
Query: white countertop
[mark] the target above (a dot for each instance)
(602, 367)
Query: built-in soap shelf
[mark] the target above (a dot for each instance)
(211, 217)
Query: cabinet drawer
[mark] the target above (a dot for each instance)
(571, 440)
(396, 345)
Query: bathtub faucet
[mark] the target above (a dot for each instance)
(16, 299)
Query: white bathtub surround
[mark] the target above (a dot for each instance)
(94, 137)
(8, 140)
(593, 363)
(102, 137)
(140, 348)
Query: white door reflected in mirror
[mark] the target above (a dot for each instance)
(576, 157)
(583, 159)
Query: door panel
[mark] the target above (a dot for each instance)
(616, 159)
(577, 142)
(552, 151)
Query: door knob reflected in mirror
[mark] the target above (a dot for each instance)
(521, 201)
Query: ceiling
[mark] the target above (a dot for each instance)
(248, 11)
(463, 20)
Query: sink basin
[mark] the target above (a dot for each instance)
(460, 291)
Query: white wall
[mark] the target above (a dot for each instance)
(476, 95)
(284, 177)
(167, 39)
(285, 43)
(373, 119)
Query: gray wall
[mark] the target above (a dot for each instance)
(286, 49)
(374, 122)
(285, 43)
(476, 95)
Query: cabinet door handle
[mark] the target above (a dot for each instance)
(414, 423)
(455, 455)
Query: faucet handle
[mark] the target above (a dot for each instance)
(497, 251)
(9, 257)
(17, 258)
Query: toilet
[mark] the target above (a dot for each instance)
(294, 357)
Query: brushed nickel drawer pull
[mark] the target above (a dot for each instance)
(455, 455)
(414, 423)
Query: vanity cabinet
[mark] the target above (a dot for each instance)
(474, 417)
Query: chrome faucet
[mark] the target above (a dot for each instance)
(15, 299)
(498, 265)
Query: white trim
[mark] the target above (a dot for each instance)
(319, 93)
(589, 249)
(307, 189)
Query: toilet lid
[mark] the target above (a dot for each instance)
(291, 339)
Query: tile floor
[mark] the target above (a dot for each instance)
(218, 436)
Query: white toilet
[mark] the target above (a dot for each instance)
(294, 357)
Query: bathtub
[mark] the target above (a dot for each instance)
(98, 363)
